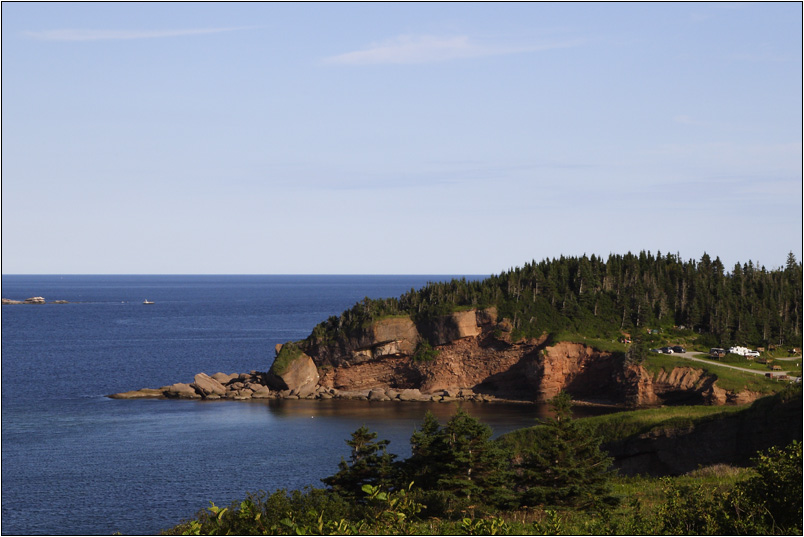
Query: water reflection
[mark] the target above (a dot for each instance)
(501, 417)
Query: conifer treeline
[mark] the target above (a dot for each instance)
(599, 298)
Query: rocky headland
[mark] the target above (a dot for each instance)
(467, 355)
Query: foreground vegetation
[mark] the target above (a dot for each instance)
(553, 479)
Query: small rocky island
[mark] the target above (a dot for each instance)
(32, 300)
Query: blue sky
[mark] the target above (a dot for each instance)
(405, 138)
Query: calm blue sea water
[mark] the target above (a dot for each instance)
(76, 462)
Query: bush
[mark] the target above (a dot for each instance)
(425, 352)
(767, 504)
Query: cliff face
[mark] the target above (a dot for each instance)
(476, 354)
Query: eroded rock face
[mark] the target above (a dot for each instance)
(449, 328)
(475, 353)
(401, 332)
(577, 369)
(638, 387)
(679, 385)
(470, 358)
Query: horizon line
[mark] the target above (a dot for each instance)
(230, 274)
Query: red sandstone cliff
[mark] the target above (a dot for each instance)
(476, 356)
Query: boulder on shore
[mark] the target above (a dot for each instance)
(378, 394)
(181, 390)
(300, 377)
(223, 378)
(208, 385)
(412, 394)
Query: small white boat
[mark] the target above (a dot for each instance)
(147, 302)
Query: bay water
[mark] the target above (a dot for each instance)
(75, 462)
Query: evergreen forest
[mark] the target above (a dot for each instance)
(601, 298)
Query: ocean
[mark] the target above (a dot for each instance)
(75, 462)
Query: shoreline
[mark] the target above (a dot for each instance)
(255, 386)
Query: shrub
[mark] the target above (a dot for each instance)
(425, 352)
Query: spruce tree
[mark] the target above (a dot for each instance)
(566, 466)
(369, 464)
(459, 465)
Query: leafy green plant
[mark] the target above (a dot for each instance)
(483, 526)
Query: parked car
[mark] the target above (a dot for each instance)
(658, 351)
(667, 350)
(752, 354)
(678, 348)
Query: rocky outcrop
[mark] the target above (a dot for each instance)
(299, 377)
(474, 354)
(680, 385)
(579, 370)
(235, 386)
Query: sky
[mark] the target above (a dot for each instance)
(396, 138)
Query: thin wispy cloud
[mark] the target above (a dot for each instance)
(417, 49)
(72, 34)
